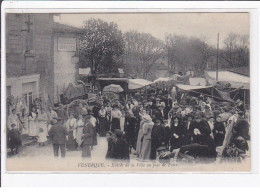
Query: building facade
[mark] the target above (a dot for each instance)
(41, 56)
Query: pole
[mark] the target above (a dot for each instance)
(217, 58)
(244, 98)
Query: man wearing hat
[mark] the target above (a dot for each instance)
(14, 138)
(58, 135)
(61, 113)
(241, 127)
(200, 133)
(157, 137)
(87, 137)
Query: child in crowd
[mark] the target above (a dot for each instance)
(14, 139)
(41, 137)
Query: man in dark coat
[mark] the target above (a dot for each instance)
(219, 131)
(14, 139)
(61, 113)
(157, 137)
(120, 148)
(58, 135)
(186, 130)
(88, 132)
(130, 129)
(241, 127)
(200, 132)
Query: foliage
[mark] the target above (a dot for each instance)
(142, 52)
(236, 50)
(101, 46)
(187, 53)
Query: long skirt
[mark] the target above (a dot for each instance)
(33, 129)
(86, 151)
(44, 126)
(103, 126)
(71, 143)
(79, 135)
(115, 124)
(94, 138)
(122, 123)
(139, 141)
(175, 143)
(145, 150)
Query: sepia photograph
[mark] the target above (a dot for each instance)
(147, 92)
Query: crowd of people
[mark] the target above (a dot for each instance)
(160, 118)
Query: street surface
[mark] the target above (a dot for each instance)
(98, 153)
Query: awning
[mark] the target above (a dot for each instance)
(209, 91)
(84, 71)
(113, 88)
(163, 79)
(190, 87)
(197, 81)
(236, 80)
(137, 83)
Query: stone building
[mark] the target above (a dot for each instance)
(41, 56)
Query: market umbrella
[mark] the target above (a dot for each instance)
(113, 88)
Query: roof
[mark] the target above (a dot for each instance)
(241, 70)
(138, 83)
(236, 80)
(58, 27)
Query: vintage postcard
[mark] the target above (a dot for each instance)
(157, 92)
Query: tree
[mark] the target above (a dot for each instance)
(101, 46)
(142, 52)
(236, 50)
(186, 53)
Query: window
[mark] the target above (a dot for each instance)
(29, 93)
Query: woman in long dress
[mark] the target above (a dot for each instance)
(177, 133)
(103, 121)
(33, 128)
(80, 126)
(71, 126)
(146, 143)
(43, 121)
(115, 115)
(139, 138)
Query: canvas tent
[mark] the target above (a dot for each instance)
(137, 83)
(162, 79)
(198, 81)
(209, 91)
(236, 80)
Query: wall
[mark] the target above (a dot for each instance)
(38, 40)
(64, 66)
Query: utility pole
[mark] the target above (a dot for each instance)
(217, 58)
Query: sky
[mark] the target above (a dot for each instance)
(201, 25)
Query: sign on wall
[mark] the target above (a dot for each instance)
(67, 44)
